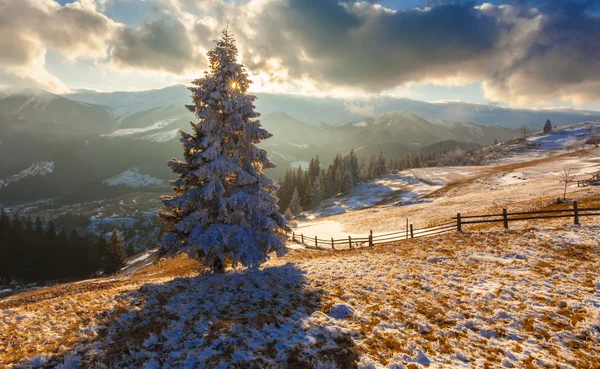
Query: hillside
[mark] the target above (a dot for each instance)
(92, 137)
(524, 297)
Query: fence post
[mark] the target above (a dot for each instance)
(316, 245)
(407, 228)
(332, 246)
(576, 212)
(371, 237)
(350, 242)
(411, 231)
(458, 223)
(505, 217)
(294, 236)
(302, 235)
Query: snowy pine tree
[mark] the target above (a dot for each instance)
(295, 208)
(223, 207)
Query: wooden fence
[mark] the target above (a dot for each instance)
(575, 212)
(594, 181)
(456, 224)
(372, 240)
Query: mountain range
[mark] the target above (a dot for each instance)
(84, 140)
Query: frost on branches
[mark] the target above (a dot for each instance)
(223, 207)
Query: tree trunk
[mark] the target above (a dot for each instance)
(565, 192)
(218, 266)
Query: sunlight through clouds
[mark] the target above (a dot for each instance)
(520, 55)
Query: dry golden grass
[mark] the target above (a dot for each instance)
(76, 306)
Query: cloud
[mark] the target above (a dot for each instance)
(29, 27)
(521, 53)
(367, 47)
(562, 63)
(356, 108)
(164, 44)
(538, 52)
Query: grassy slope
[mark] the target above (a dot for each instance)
(526, 297)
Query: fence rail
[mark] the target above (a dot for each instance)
(372, 240)
(594, 180)
(457, 224)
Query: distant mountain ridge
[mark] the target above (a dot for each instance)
(92, 137)
(338, 111)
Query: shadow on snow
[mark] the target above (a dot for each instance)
(252, 319)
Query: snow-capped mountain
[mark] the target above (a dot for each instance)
(123, 104)
(38, 112)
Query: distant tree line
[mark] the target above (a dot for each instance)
(31, 251)
(305, 189)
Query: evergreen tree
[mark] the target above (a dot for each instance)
(354, 167)
(316, 192)
(5, 245)
(113, 255)
(381, 166)
(295, 207)
(223, 207)
(314, 168)
(347, 183)
(548, 126)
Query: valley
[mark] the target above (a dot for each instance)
(488, 297)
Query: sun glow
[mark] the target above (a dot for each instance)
(234, 85)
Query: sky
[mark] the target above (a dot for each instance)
(516, 53)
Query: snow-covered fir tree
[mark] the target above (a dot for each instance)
(223, 207)
(295, 207)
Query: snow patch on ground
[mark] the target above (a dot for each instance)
(299, 163)
(161, 136)
(401, 186)
(300, 146)
(42, 168)
(133, 178)
(131, 131)
(440, 302)
(565, 137)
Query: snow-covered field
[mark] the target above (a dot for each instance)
(439, 193)
(528, 297)
(519, 299)
(399, 188)
(566, 137)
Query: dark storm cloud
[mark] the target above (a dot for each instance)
(518, 50)
(365, 46)
(525, 52)
(164, 44)
(562, 62)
